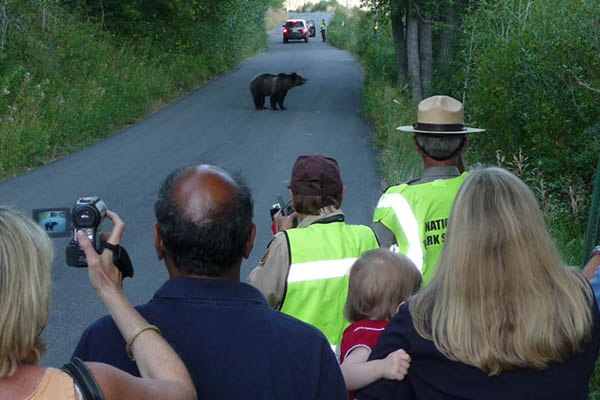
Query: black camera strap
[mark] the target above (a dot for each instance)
(120, 258)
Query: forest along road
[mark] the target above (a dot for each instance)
(216, 124)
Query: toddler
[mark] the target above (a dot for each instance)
(379, 282)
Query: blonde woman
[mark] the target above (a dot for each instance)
(502, 318)
(26, 255)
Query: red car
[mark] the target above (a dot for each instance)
(295, 29)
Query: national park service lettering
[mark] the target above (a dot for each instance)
(435, 232)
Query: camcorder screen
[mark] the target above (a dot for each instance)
(54, 221)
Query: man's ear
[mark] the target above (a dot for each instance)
(158, 243)
(250, 242)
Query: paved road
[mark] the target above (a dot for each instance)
(217, 124)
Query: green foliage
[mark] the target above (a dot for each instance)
(276, 4)
(356, 34)
(595, 383)
(67, 82)
(181, 25)
(533, 83)
(321, 6)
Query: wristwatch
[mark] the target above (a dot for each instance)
(596, 251)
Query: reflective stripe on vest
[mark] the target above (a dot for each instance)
(317, 283)
(316, 270)
(417, 215)
(409, 224)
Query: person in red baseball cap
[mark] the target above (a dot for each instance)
(304, 272)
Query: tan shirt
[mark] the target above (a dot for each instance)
(55, 384)
(270, 275)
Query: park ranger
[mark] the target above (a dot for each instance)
(411, 218)
(305, 270)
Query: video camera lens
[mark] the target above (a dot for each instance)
(86, 216)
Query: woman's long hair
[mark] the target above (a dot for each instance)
(501, 297)
(26, 255)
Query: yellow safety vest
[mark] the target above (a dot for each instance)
(417, 215)
(317, 283)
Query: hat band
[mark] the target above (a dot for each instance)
(439, 127)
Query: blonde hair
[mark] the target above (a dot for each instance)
(501, 297)
(26, 255)
(379, 281)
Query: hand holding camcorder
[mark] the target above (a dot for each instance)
(103, 275)
(86, 217)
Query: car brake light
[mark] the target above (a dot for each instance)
(304, 30)
(284, 30)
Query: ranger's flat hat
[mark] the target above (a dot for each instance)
(440, 115)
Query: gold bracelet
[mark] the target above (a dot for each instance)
(135, 334)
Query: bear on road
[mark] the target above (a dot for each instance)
(274, 86)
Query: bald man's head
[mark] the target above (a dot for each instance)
(204, 216)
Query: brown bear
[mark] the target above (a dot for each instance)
(274, 86)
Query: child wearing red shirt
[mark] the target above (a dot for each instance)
(379, 282)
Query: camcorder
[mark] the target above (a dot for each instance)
(87, 215)
(286, 208)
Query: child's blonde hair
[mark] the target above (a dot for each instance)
(380, 280)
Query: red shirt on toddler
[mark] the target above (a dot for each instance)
(363, 333)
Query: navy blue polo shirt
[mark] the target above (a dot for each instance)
(233, 344)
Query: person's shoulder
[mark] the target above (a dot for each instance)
(104, 328)
(402, 321)
(395, 188)
(278, 246)
(298, 329)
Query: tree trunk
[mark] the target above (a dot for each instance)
(425, 54)
(399, 36)
(449, 20)
(412, 54)
(4, 19)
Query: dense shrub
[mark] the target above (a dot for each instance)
(534, 83)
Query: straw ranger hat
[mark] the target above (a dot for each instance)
(440, 115)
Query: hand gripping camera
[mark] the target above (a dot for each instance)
(286, 208)
(87, 216)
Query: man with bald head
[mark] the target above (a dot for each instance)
(233, 344)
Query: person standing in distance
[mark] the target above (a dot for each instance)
(323, 30)
(411, 218)
(305, 270)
